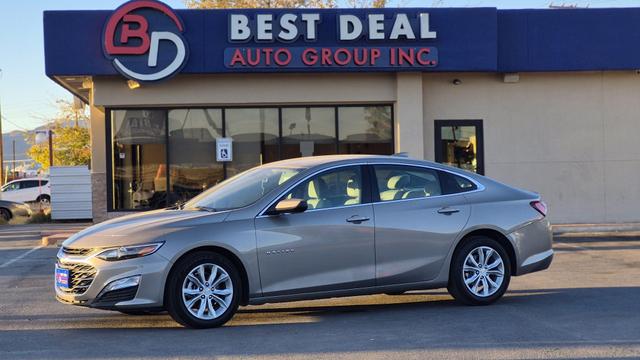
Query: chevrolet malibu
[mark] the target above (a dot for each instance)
(311, 228)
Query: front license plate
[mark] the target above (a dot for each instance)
(62, 278)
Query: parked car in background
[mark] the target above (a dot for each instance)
(27, 190)
(10, 210)
(311, 228)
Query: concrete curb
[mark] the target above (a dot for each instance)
(626, 228)
(54, 239)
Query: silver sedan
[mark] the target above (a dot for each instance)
(311, 228)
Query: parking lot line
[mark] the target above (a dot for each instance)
(21, 256)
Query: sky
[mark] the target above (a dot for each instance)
(27, 95)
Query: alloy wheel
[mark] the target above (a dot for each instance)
(483, 271)
(207, 291)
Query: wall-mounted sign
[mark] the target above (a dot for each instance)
(267, 30)
(224, 149)
(143, 38)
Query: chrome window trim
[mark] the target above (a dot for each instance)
(479, 186)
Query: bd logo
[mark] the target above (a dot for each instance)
(143, 38)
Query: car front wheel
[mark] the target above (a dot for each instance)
(203, 290)
(5, 214)
(480, 272)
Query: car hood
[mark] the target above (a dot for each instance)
(140, 228)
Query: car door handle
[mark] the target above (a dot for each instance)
(448, 211)
(357, 219)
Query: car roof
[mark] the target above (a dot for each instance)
(30, 178)
(311, 162)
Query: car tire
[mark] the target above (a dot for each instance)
(184, 294)
(5, 214)
(474, 278)
(44, 199)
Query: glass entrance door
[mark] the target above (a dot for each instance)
(459, 143)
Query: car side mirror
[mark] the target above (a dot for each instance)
(289, 206)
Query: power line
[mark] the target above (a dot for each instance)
(4, 118)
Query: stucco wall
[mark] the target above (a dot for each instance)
(255, 89)
(573, 137)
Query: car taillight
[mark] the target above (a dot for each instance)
(540, 207)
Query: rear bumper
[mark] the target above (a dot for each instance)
(533, 245)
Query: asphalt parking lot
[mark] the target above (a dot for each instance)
(587, 305)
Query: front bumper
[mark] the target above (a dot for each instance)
(533, 245)
(90, 275)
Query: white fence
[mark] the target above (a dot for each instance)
(70, 192)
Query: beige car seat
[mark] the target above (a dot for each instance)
(395, 186)
(353, 192)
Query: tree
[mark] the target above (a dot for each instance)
(228, 4)
(71, 142)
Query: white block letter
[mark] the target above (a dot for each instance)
(239, 27)
(402, 27)
(288, 31)
(425, 32)
(353, 21)
(311, 20)
(264, 27)
(376, 26)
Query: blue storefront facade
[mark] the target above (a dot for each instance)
(544, 99)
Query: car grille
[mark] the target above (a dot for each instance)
(76, 252)
(80, 277)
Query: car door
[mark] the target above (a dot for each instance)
(11, 191)
(416, 223)
(329, 246)
(29, 190)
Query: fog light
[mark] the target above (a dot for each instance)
(123, 283)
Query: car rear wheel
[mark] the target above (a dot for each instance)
(5, 214)
(44, 199)
(203, 290)
(480, 272)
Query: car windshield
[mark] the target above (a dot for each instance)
(242, 190)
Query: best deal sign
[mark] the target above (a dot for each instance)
(288, 27)
(147, 41)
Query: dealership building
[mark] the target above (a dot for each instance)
(546, 100)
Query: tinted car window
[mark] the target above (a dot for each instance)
(27, 184)
(12, 186)
(334, 188)
(406, 182)
(454, 184)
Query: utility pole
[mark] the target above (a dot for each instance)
(13, 163)
(50, 150)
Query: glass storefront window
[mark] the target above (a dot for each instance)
(308, 131)
(164, 156)
(255, 137)
(365, 130)
(139, 159)
(459, 143)
(192, 152)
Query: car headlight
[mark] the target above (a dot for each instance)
(129, 252)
